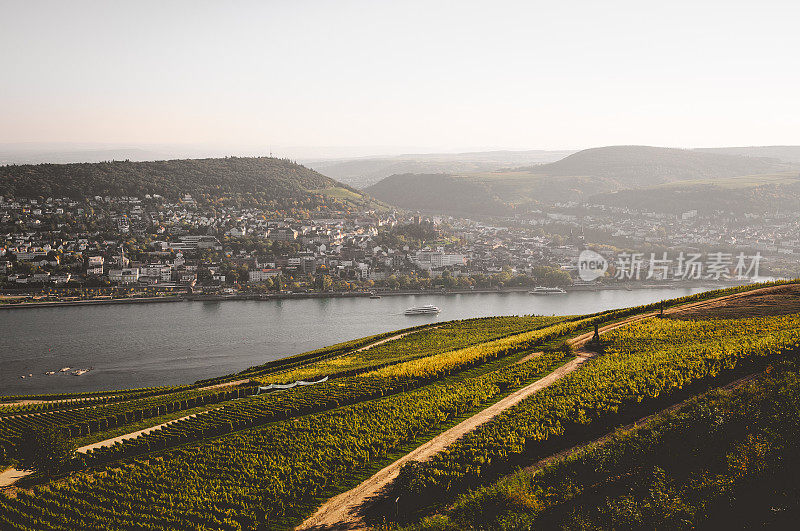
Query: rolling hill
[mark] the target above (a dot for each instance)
(790, 154)
(273, 183)
(362, 172)
(637, 166)
(574, 178)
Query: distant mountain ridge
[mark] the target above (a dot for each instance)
(274, 183)
(573, 178)
(638, 166)
(366, 171)
(789, 154)
(78, 155)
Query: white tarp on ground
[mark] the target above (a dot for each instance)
(272, 387)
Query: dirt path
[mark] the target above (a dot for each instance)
(360, 349)
(145, 431)
(341, 512)
(224, 384)
(25, 402)
(10, 476)
(133, 435)
(98, 402)
(529, 357)
(392, 338)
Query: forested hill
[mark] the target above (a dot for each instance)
(271, 182)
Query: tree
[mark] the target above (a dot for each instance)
(44, 449)
(324, 282)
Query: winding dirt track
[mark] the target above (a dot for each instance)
(342, 511)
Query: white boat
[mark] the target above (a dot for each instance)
(80, 372)
(428, 309)
(50, 373)
(65, 369)
(541, 290)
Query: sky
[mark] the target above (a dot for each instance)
(377, 77)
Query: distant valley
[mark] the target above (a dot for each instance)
(662, 179)
(366, 171)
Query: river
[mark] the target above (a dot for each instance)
(144, 345)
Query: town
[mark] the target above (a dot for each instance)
(102, 244)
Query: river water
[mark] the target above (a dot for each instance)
(144, 345)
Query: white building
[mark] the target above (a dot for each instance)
(260, 275)
(126, 275)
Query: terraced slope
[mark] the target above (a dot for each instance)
(271, 460)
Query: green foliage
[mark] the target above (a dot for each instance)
(44, 449)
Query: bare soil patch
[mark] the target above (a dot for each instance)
(774, 300)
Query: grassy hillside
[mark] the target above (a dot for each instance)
(577, 177)
(274, 183)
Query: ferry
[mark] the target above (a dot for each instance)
(428, 309)
(541, 290)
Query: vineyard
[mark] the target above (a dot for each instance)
(682, 469)
(343, 391)
(417, 344)
(92, 419)
(644, 361)
(225, 413)
(227, 454)
(259, 476)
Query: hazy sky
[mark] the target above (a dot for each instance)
(401, 75)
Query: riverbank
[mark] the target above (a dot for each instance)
(91, 302)
(629, 286)
(151, 345)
